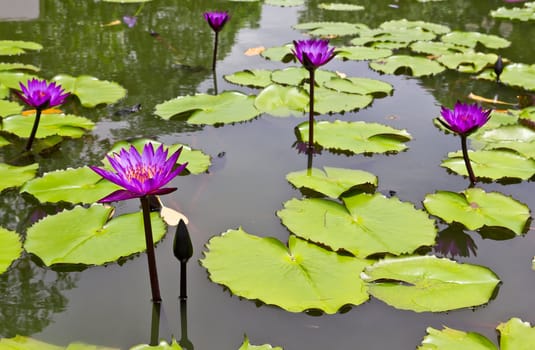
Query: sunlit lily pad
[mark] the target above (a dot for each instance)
(296, 278)
(25, 343)
(437, 48)
(227, 107)
(299, 75)
(516, 74)
(362, 86)
(17, 47)
(14, 176)
(90, 90)
(474, 208)
(257, 78)
(11, 79)
(358, 53)
(17, 66)
(331, 182)
(331, 101)
(88, 236)
(10, 248)
(428, 283)
(279, 53)
(492, 164)
(282, 101)
(405, 35)
(50, 124)
(331, 28)
(285, 3)
(336, 6)
(453, 339)
(526, 13)
(356, 137)
(411, 65)
(403, 23)
(246, 345)
(8, 108)
(360, 227)
(516, 335)
(163, 345)
(472, 62)
(471, 39)
(513, 137)
(3, 141)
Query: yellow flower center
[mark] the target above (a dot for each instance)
(142, 173)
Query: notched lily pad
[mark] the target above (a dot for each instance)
(14, 176)
(526, 13)
(404, 64)
(515, 74)
(449, 338)
(10, 248)
(362, 86)
(256, 78)
(395, 25)
(471, 39)
(247, 346)
(282, 101)
(17, 47)
(280, 53)
(298, 76)
(516, 335)
(359, 53)
(428, 283)
(402, 35)
(437, 48)
(472, 62)
(90, 90)
(296, 278)
(66, 125)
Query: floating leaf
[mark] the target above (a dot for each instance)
(356, 137)
(247, 346)
(298, 278)
(513, 137)
(10, 248)
(427, 283)
(470, 39)
(516, 335)
(17, 47)
(331, 28)
(452, 339)
(492, 164)
(474, 208)
(11, 79)
(50, 124)
(88, 236)
(227, 107)
(127, 1)
(525, 13)
(362, 86)
(471, 62)
(397, 24)
(298, 76)
(17, 66)
(3, 141)
(360, 227)
(334, 6)
(14, 176)
(333, 181)
(8, 108)
(90, 90)
(358, 53)
(415, 66)
(285, 3)
(437, 48)
(163, 345)
(280, 53)
(516, 74)
(331, 101)
(282, 101)
(257, 78)
(402, 35)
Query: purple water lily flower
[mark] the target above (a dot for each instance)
(40, 95)
(313, 53)
(130, 21)
(464, 118)
(140, 174)
(216, 19)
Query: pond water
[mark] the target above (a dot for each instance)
(246, 183)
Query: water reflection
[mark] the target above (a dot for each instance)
(454, 242)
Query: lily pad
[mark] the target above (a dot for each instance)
(285, 3)
(360, 226)
(8, 108)
(516, 74)
(11, 79)
(296, 278)
(404, 35)
(298, 76)
(336, 6)
(163, 345)
(88, 236)
(474, 208)
(497, 164)
(25, 343)
(415, 66)
(513, 137)
(50, 124)
(471, 39)
(332, 101)
(10, 248)
(17, 47)
(428, 283)
(359, 53)
(227, 107)
(247, 346)
(3, 141)
(90, 90)
(453, 339)
(437, 48)
(362, 86)
(516, 335)
(331, 28)
(17, 66)
(279, 53)
(395, 25)
(526, 13)
(472, 62)
(127, 1)
(332, 182)
(256, 78)
(282, 101)
(356, 137)
(14, 176)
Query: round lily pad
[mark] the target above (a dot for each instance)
(526, 13)
(403, 23)
(471, 62)
(516, 335)
(296, 278)
(282, 101)
(359, 53)
(428, 283)
(10, 248)
(411, 65)
(362, 86)
(297, 76)
(90, 236)
(437, 48)
(471, 39)
(90, 90)
(452, 339)
(49, 124)
(20, 342)
(14, 176)
(256, 78)
(332, 101)
(279, 53)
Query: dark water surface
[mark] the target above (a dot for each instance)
(246, 185)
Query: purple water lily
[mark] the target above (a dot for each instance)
(216, 19)
(140, 174)
(313, 53)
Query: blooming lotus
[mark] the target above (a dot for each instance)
(40, 95)
(140, 174)
(464, 118)
(216, 19)
(313, 53)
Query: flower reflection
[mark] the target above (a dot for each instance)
(454, 242)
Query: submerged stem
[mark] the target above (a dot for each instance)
(467, 160)
(153, 273)
(34, 129)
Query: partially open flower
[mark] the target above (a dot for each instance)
(41, 95)
(464, 119)
(216, 19)
(313, 53)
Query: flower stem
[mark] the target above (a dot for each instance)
(153, 273)
(34, 129)
(214, 59)
(467, 160)
(311, 112)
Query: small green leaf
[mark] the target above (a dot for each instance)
(280, 53)
(50, 124)
(415, 66)
(395, 25)
(452, 339)
(526, 13)
(516, 335)
(474, 208)
(17, 47)
(427, 283)
(472, 62)
(298, 278)
(359, 53)
(89, 237)
(282, 101)
(10, 248)
(256, 78)
(25, 343)
(17, 66)
(14, 176)
(515, 74)
(437, 48)
(334, 6)
(470, 39)
(331, 28)
(163, 345)
(90, 90)
(247, 346)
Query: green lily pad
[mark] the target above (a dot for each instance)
(163, 345)
(526, 13)
(285, 3)
(516, 74)
(298, 75)
(279, 53)
(362, 86)
(472, 62)
(14, 176)
(513, 137)
(452, 339)
(127, 1)
(516, 335)
(282, 101)
(332, 182)
(336, 6)
(256, 78)
(428, 283)
(90, 90)
(359, 53)
(404, 35)
(360, 227)
(471, 39)
(437, 48)
(332, 101)
(17, 47)
(3, 141)
(227, 107)
(17, 66)
(8, 108)
(50, 124)
(474, 208)
(25, 343)
(415, 66)
(331, 28)
(10, 248)
(397, 24)
(497, 164)
(247, 346)
(356, 137)
(88, 236)
(11, 79)
(298, 278)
